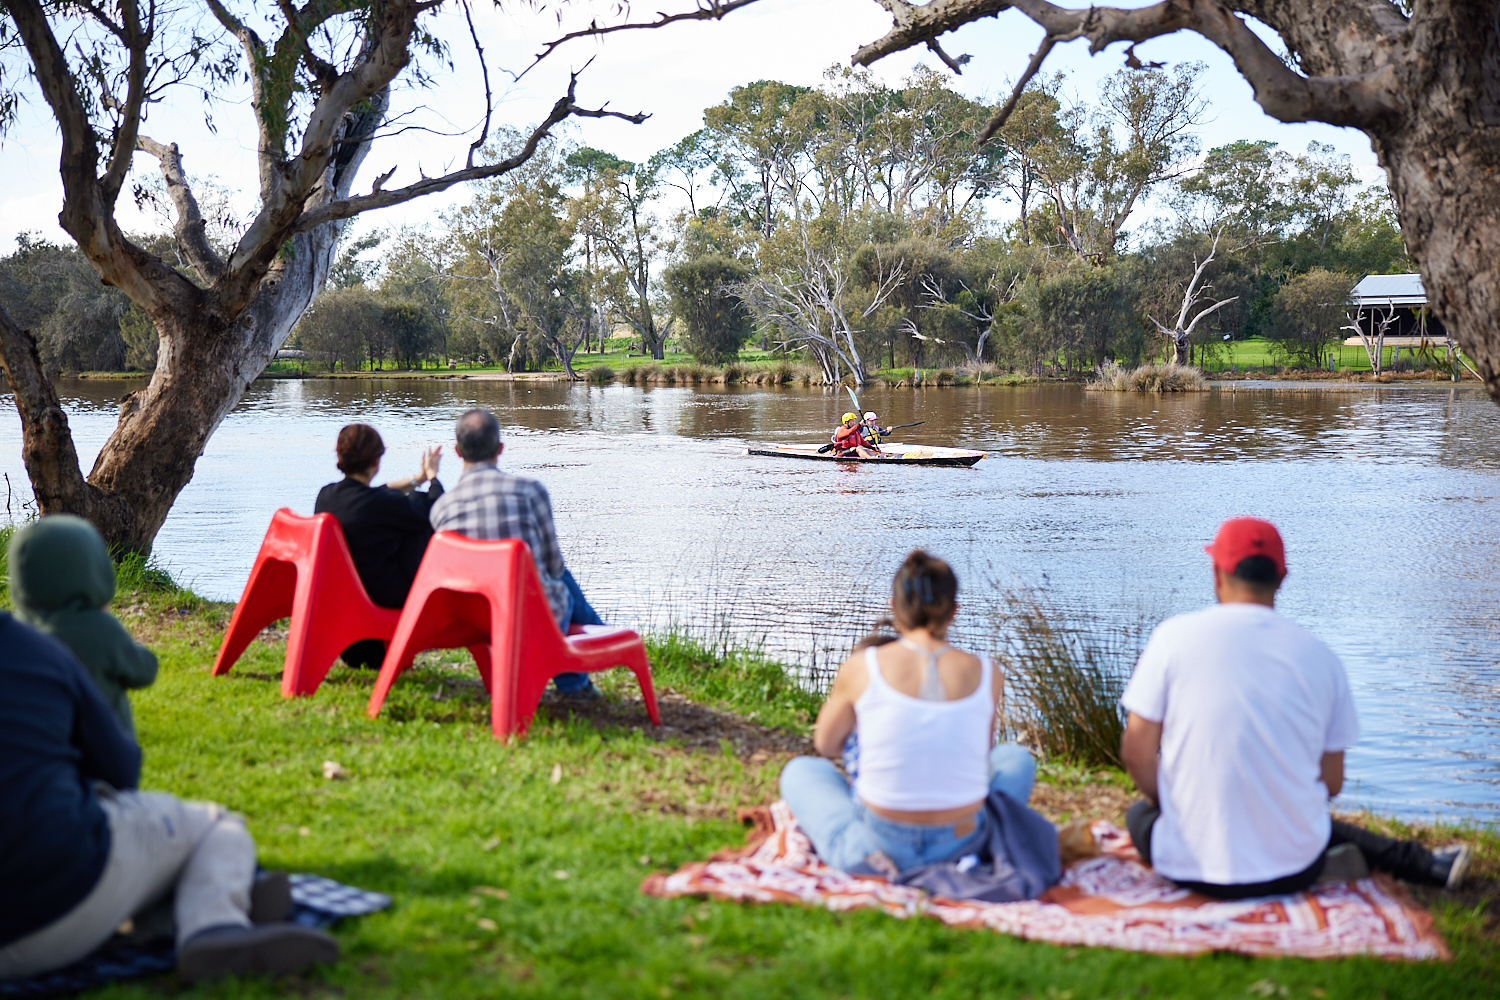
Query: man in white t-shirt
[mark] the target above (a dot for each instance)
(1238, 722)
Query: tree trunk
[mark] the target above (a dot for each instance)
(1444, 180)
(203, 368)
(202, 375)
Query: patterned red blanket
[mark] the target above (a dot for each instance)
(1111, 901)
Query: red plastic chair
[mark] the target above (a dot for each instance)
(487, 593)
(304, 571)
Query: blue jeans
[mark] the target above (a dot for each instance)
(580, 612)
(845, 832)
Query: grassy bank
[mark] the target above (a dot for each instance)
(515, 868)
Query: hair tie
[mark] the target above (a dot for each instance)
(919, 587)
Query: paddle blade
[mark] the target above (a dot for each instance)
(852, 396)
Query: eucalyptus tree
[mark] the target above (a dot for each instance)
(622, 239)
(1243, 190)
(319, 78)
(1097, 163)
(764, 129)
(1419, 78)
(687, 166)
(909, 150)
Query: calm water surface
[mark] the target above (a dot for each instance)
(1387, 497)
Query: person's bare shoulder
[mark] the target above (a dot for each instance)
(852, 677)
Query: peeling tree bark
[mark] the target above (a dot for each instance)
(1425, 89)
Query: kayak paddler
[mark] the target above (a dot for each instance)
(849, 439)
(870, 427)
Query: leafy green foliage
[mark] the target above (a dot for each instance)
(1309, 312)
(704, 301)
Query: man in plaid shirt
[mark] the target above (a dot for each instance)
(490, 504)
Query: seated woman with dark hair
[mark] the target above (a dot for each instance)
(932, 786)
(387, 527)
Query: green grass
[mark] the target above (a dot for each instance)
(432, 808)
(1257, 352)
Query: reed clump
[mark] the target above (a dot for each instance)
(1063, 686)
(1149, 378)
(600, 375)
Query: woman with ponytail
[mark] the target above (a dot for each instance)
(930, 776)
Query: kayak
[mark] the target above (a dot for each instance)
(891, 454)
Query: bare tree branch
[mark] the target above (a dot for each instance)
(708, 10)
(1003, 115)
(190, 228)
(484, 68)
(1355, 100)
(349, 207)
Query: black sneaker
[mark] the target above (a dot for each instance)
(1450, 865)
(233, 950)
(1344, 863)
(270, 897)
(586, 693)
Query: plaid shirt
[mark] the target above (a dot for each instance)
(489, 504)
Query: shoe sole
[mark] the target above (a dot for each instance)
(1460, 868)
(276, 950)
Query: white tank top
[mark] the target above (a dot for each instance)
(917, 754)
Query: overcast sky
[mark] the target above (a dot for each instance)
(673, 74)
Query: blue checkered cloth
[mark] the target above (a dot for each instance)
(316, 902)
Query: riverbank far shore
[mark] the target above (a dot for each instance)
(687, 373)
(515, 868)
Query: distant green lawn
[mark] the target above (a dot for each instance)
(1257, 352)
(436, 813)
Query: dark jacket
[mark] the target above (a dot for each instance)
(57, 736)
(1018, 859)
(387, 533)
(61, 579)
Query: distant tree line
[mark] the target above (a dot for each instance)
(845, 225)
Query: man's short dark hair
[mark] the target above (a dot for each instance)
(478, 436)
(1258, 570)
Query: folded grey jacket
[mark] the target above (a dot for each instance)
(1017, 860)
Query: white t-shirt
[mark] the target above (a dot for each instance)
(1249, 702)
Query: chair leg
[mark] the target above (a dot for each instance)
(399, 653)
(481, 654)
(310, 651)
(641, 667)
(267, 597)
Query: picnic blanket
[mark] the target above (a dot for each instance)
(1111, 901)
(316, 902)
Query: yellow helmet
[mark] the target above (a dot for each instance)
(850, 416)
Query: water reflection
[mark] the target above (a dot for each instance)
(1102, 501)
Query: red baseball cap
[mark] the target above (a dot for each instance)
(1242, 537)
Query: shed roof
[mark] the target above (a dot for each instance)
(1390, 289)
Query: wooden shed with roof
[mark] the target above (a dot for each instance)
(1395, 305)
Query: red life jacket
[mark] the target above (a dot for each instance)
(846, 439)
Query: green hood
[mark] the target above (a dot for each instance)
(61, 578)
(59, 564)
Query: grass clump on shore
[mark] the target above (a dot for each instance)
(1064, 686)
(1149, 378)
(746, 682)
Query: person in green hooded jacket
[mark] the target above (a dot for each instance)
(61, 581)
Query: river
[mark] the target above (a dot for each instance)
(1098, 502)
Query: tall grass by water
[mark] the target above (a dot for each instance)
(750, 373)
(1064, 683)
(1149, 378)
